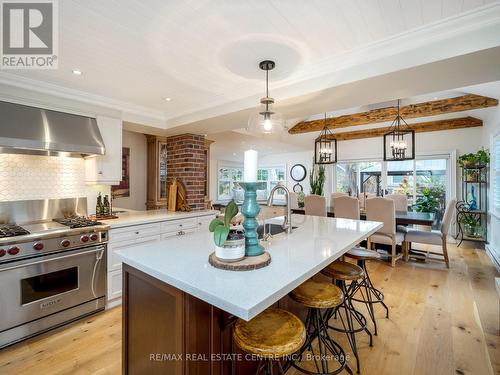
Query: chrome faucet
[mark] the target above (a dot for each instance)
(287, 223)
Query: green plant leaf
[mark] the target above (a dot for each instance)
(229, 213)
(214, 224)
(220, 235)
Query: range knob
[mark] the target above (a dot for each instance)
(94, 237)
(65, 243)
(38, 246)
(84, 238)
(13, 250)
(2, 252)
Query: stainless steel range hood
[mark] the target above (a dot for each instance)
(30, 130)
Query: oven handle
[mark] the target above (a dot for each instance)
(47, 259)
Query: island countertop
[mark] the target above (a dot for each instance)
(183, 263)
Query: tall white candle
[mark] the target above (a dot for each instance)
(250, 166)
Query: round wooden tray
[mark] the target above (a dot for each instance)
(246, 264)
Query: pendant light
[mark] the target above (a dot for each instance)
(325, 147)
(399, 142)
(266, 120)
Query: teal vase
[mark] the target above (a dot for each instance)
(250, 209)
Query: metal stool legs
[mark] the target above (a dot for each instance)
(369, 294)
(317, 328)
(266, 367)
(351, 319)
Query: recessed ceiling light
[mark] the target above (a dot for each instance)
(77, 72)
(168, 99)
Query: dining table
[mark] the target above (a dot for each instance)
(402, 217)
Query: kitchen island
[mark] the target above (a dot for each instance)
(178, 310)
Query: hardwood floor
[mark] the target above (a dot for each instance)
(441, 322)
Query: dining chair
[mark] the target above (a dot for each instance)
(400, 201)
(383, 209)
(336, 194)
(434, 237)
(401, 204)
(315, 205)
(294, 203)
(346, 207)
(363, 197)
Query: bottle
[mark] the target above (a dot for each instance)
(105, 210)
(99, 207)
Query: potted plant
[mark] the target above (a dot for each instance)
(472, 225)
(229, 242)
(300, 199)
(474, 160)
(317, 179)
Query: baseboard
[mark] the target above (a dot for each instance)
(494, 255)
(113, 303)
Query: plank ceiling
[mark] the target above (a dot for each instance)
(204, 53)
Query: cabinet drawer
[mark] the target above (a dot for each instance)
(182, 232)
(114, 285)
(204, 221)
(134, 232)
(177, 225)
(114, 262)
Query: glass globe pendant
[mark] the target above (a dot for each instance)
(266, 120)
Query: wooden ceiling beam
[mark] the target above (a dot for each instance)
(432, 108)
(421, 127)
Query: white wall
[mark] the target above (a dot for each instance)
(490, 129)
(138, 172)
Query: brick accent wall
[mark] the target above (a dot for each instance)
(186, 161)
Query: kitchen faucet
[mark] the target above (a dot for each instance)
(287, 223)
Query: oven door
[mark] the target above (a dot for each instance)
(37, 287)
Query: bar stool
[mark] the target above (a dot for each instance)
(369, 294)
(271, 336)
(318, 296)
(341, 272)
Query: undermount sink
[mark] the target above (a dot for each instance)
(271, 229)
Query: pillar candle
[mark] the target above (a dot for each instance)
(250, 166)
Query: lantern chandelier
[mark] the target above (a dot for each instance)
(399, 142)
(325, 147)
(266, 120)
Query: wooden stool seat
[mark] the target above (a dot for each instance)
(318, 294)
(340, 270)
(273, 333)
(359, 253)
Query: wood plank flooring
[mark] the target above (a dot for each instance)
(441, 322)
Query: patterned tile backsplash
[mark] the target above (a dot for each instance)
(24, 177)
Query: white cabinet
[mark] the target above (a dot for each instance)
(122, 238)
(107, 169)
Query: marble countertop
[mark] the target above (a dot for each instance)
(132, 217)
(183, 263)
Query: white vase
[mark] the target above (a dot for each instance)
(231, 251)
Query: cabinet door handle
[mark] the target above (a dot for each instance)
(136, 232)
(100, 172)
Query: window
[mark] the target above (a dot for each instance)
(496, 174)
(400, 179)
(228, 183)
(362, 176)
(425, 181)
(267, 178)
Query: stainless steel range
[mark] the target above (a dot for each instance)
(52, 266)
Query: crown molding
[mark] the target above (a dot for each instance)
(127, 109)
